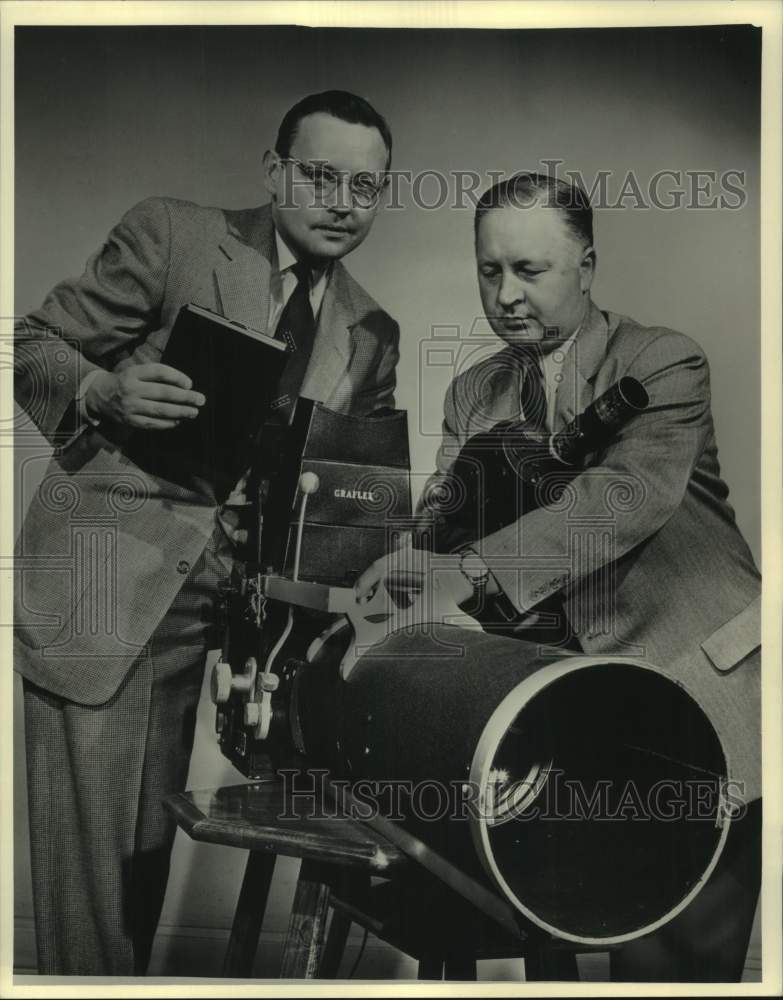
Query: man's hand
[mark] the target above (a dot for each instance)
(408, 572)
(150, 396)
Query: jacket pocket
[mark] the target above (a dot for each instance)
(735, 639)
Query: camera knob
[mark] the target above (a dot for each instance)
(309, 483)
(252, 713)
(220, 686)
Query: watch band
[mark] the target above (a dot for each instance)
(477, 575)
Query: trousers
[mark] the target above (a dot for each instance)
(100, 839)
(708, 941)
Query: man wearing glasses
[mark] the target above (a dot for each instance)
(110, 710)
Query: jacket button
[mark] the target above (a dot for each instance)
(183, 566)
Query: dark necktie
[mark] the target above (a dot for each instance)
(549, 624)
(532, 396)
(296, 327)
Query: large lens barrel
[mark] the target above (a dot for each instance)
(587, 790)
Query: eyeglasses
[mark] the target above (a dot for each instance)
(365, 189)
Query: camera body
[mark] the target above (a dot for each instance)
(331, 494)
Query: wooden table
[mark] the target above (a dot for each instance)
(340, 855)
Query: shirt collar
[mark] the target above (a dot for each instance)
(552, 360)
(286, 260)
(565, 347)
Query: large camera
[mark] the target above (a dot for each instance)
(331, 494)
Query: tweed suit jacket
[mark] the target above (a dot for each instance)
(643, 546)
(105, 545)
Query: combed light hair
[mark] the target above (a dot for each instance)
(525, 189)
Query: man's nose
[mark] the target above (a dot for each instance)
(342, 199)
(511, 290)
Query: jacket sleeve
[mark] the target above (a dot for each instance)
(92, 321)
(446, 455)
(636, 484)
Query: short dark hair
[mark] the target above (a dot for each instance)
(526, 189)
(339, 104)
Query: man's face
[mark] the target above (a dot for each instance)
(532, 274)
(318, 224)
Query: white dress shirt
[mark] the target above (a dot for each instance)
(552, 368)
(282, 283)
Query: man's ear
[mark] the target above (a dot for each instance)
(587, 269)
(271, 172)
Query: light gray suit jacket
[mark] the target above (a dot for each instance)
(643, 546)
(105, 546)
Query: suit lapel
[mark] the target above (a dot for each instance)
(243, 272)
(580, 367)
(242, 277)
(335, 342)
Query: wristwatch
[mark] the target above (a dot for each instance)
(81, 398)
(475, 570)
